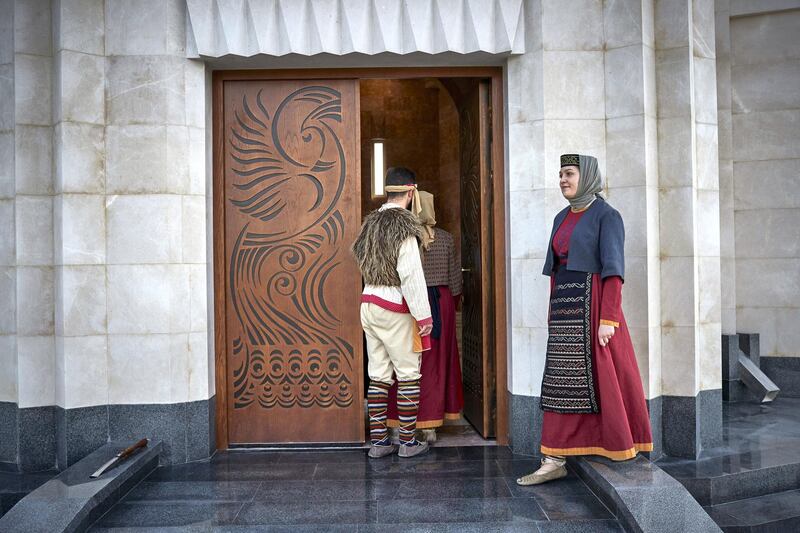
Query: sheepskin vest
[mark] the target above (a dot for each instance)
(378, 245)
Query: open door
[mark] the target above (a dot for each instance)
(476, 255)
(291, 209)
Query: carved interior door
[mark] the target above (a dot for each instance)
(292, 209)
(476, 245)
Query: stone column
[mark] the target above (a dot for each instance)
(33, 292)
(632, 180)
(722, 32)
(155, 246)
(8, 258)
(548, 115)
(689, 226)
(80, 228)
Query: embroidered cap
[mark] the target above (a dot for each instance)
(570, 159)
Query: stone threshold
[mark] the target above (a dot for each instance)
(72, 500)
(643, 497)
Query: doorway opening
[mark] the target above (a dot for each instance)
(292, 181)
(440, 129)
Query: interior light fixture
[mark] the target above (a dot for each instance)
(378, 167)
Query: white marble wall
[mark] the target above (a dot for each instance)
(765, 107)
(103, 186)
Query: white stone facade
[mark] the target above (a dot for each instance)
(105, 171)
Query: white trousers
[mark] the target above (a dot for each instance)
(390, 339)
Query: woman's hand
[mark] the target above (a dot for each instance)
(605, 333)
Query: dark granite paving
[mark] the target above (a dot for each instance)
(466, 490)
(15, 485)
(751, 482)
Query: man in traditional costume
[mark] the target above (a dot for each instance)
(395, 313)
(441, 396)
(592, 394)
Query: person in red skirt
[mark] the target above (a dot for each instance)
(441, 395)
(592, 394)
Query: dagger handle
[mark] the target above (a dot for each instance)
(130, 450)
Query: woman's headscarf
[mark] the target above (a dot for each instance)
(427, 217)
(590, 184)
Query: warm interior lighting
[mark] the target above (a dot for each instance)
(378, 168)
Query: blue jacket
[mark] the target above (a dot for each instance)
(597, 244)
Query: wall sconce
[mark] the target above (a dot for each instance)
(378, 168)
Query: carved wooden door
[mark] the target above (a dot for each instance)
(292, 197)
(476, 246)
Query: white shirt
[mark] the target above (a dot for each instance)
(412, 280)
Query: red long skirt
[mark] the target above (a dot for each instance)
(441, 395)
(621, 428)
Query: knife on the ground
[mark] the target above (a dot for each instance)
(121, 456)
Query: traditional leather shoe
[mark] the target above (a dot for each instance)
(413, 450)
(429, 435)
(549, 471)
(376, 452)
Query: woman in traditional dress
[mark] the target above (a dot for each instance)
(441, 396)
(592, 394)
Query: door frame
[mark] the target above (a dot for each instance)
(499, 303)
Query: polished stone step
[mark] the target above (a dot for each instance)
(16, 485)
(72, 500)
(760, 456)
(762, 514)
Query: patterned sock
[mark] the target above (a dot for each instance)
(377, 400)
(407, 407)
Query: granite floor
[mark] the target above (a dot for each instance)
(462, 489)
(15, 485)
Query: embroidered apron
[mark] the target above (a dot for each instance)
(568, 384)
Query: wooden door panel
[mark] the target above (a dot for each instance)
(292, 193)
(476, 253)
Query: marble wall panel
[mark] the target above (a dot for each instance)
(79, 165)
(750, 179)
(763, 135)
(8, 255)
(766, 233)
(81, 228)
(624, 81)
(584, 14)
(146, 299)
(627, 22)
(32, 23)
(146, 90)
(8, 302)
(765, 87)
(33, 155)
(147, 27)
(144, 228)
(8, 368)
(767, 38)
(35, 296)
(34, 230)
(36, 370)
(79, 87)
(7, 185)
(564, 96)
(79, 25)
(139, 369)
(85, 361)
(32, 89)
(767, 282)
(81, 305)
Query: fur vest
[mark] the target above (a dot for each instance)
(378, 244)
